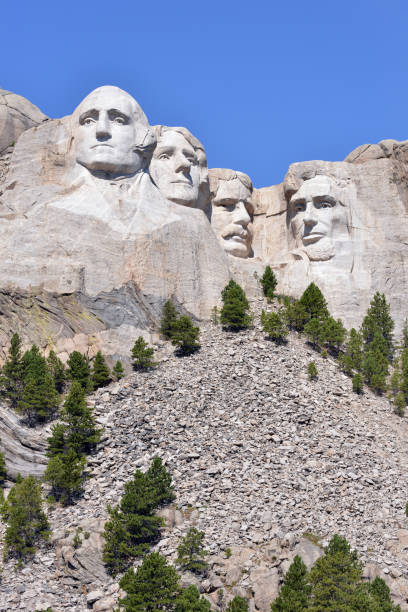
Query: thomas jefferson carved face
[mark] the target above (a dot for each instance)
(317, 218)
(175, 169)
(106, 132)
(231, 215)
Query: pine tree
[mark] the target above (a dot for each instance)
(375, 363)
(357, 382)
(78, 369)
(312, 370)
(269, 283)
(142, 355)
(314, 303)
(26, 521)
(380, 595)
(118, 370)
(336, 580)
(295, 592)
(404, 339)
(78, 430)
(234, 313)
(169, 317)
(333, 333)
(274, 325)
(404, 373)
(191, 552)
(400, 403)
(296, 315)
(378, 319)
(3, 469)
(185, 335)
(65, 475)
(313, 329)
(189, 600)
(238, 604)
(154, 586)
(57, 371)
(132, 526)
(160, 481)
(353, 356)
(100, 375)
(39, 399)
(12, 372)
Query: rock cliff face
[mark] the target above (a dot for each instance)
(260, 456)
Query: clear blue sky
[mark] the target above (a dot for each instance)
(261, 83)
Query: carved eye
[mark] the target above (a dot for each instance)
(163, 156)
(299, 208)
(88, 121)
(193, 160)
(120, 120)
(325, 204)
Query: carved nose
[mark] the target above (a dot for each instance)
(182, 164)
(310, 215)
(103, 128)
(241, 214)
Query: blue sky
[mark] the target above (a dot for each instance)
(262, 84)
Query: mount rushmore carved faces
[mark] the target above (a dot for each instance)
(232, 209)
(179, 167)
(111, 133)
(318, 218)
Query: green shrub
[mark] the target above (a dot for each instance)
(118, 370)
(234, 313)
(79, 370)
(100, 375)
(142, 355)
(191, 552)
(3, 469)
(312, 370)
(238, 604)
(12, 374)
(269, 283)
(274, 325)
(185, 335)
(295, 592)
(65, 475)
(169, 317)
(357, 382)
(57, 370)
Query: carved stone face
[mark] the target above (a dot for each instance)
(317, 218)
(175, 169)
(231, 215)
(105, 132)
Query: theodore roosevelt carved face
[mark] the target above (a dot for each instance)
(179, 166)
(318, 218)
(232, 210)
(111, 133)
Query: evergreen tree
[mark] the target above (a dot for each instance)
(132, 526)
(39, 399)
(154, 586)
(375, 363)
(238, 604)
(160, 481)
(378, 319)
(78, 369)
(400, 403)
(274, 325)
(312, 370)
(380, 595)
(336, 580)
(118, 370)
(404, 339)
(234, 313)
(314, 303)
(353, 356)
(65, 475)
(357, 382)
(269, 283)
(191, 552)
(57, 371)
(100, 375)
(142, 355)
(313, 329)
(185, 335)
(404, 373)
(189, 600)
(26, 521)
(215, 315)
(295, 592)
(333, 333)
(169, 317)
(78, 429)
(12, 372)
(395, 380)
(3, 469)
(296, 315)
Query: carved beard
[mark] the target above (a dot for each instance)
(323, 250)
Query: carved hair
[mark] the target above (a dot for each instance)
(224, 174)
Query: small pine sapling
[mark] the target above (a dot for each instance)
(118, 370)
(100, 374)
(274, 325)
(169, 317)
(312, 370)
(142, 355)
(269, 283)
(185, 335)
(191, 552)
(357, 383)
